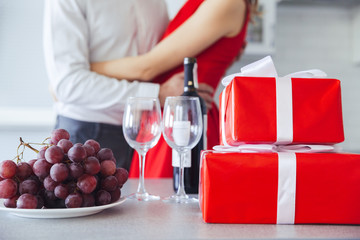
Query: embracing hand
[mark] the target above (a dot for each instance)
(174, 87)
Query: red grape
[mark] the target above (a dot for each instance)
(115, 195)
(71, 187)
(92, 165)
(41, 168)
(8, 188)
(90, 151)
(49, 183)
(76, 170)
(59, 134)
(77, 153)
(7, 169)
(29, 186)
(122, 176)
(59, 172)
(87, 183)
(98, 182)
(32, 161)
(113, 159)
(65, 145)
(102, 198)
(35, 178)
(54, 154)
(41, 153)
(88, 200)
(24, 170)
(105, 154)
(108, 168)
(109, 183)
(49, 199)
(94, 144)
(11, 202)
(27, 201)
(61, 191)
(74, 200)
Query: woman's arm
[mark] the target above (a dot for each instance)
(213, 20)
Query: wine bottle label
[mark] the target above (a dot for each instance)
(176, 159)
(181, 133)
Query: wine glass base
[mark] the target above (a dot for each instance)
(180, 199)
(143, 197)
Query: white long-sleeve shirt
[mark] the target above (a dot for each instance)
(77, 32)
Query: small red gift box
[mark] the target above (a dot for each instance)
(245, 188)
(261, 110)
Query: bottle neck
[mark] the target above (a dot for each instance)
(190, 77)
(189, 87)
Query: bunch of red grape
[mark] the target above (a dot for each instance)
(63, 175)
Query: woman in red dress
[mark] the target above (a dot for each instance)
(212, 31)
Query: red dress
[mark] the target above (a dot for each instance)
(212, 65)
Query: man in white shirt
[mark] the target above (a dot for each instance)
(77, 32)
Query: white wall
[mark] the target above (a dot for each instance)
(24, 95)
(22, 73)
(356, 34)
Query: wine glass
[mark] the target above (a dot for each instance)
(142, 130)
(182, 129)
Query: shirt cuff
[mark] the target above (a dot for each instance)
(148, 90)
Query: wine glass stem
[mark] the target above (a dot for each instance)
(181, 188)
(141, 186)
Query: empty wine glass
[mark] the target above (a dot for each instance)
(182, 129)
(142, 130)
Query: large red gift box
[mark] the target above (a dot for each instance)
(243, 188)
(249, 111)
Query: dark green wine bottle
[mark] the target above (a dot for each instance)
(191, 174)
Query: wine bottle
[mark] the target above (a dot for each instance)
(192, 158)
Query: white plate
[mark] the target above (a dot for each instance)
(58, 212)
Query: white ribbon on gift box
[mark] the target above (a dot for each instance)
(268, 148)
(284, 112)
(286, 188)
(286, 171)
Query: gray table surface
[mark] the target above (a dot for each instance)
(158, 220)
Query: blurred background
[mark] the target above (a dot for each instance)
(298, 34)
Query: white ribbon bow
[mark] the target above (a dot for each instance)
(268, 148)
(265, 68)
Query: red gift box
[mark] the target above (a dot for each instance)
(250, 112)
(243, 188)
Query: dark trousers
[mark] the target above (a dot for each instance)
(108, 135)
